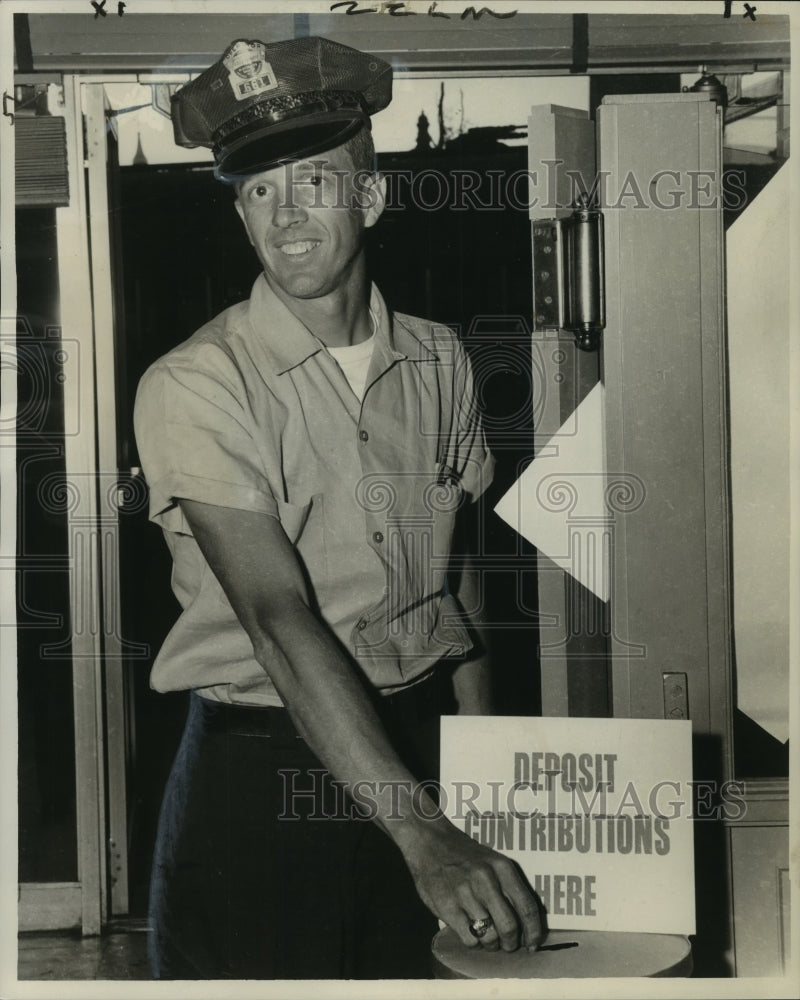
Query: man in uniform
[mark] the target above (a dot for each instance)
(309, 454)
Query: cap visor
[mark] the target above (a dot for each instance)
(257, 153)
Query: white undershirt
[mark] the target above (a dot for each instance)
(354, 361)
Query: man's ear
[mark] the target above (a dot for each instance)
(373, 187)
(240, 210)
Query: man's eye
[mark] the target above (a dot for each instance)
(259, 192)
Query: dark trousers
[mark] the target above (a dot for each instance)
(260, 870)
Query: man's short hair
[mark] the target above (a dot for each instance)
(360, 148)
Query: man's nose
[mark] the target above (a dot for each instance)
(288, 211)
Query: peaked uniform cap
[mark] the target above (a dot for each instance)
(264, 103)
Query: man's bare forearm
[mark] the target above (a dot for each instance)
(472, 685)
(333, 713)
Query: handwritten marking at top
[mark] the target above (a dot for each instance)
(398, 9)
(749, 10)
(100, 11)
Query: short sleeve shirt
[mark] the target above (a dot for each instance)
(253, 413)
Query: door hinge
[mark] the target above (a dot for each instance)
(569, 275)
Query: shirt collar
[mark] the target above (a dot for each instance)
(284, 339)
(288, 343)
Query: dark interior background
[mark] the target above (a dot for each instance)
(47, 830)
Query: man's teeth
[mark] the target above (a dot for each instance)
(294, 249)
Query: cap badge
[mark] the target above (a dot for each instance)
(248, 71)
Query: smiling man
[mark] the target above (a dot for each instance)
(310, 455)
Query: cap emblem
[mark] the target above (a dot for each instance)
(248, 71)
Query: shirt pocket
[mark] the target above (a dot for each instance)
(304, 525)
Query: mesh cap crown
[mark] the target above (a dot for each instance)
(263, 103)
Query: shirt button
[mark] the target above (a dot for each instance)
(378, 537)
(363, 435)
(362, 624)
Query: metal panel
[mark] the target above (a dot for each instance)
(163, 42)
(194, 41)
(760, 859)
(561, 151)
(458, 42)
(651, 39)
(664, 374)
(765, 802)
(114, 691)
(76, 321)
(530, 41)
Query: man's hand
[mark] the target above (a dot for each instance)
(460, 880)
